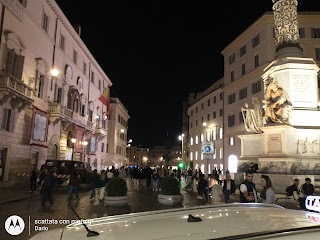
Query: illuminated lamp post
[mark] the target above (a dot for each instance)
(182, 150)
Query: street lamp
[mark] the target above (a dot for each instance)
(73, 140)
(182, 150)
(84, 144)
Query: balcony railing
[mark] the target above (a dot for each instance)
(15, 85)
(58, 111)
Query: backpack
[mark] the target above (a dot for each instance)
(289, 191)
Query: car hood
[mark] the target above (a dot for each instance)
(217, 222)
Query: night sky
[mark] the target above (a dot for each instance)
(155, 52)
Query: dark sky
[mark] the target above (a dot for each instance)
(155, 52)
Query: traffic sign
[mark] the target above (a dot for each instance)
(207, 148)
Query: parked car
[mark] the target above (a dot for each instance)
(63, 169)
(227, 221)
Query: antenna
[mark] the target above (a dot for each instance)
(90, 233)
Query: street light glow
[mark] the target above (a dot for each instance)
(73, 140)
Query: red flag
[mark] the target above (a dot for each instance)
(104, 98)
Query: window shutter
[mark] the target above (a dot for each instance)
(10, 59)
(4, 119)
(19, 67)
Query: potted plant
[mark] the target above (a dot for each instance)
(170, 191)
(116, 193)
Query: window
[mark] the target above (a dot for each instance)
(214, 114)
(58, 95)
(191, 112)
(231, 141)
(231, 121)
(256, 87)
(221, 112)
(315, 32)
(256, 61)
(232, 76)
(75, 56)
(191, 141)
(221, 133)
(243, 50)
(102, 147)
(201, 106)
(196, 122)
(221, 96)
(191, 125)
(40, 85)
(14, 64)
(45, 22)
(92, 77)
(242, 93)
(99, 86)
(62, 42)
(84, 68)
(209, 102)
(208, 117)
(214, 99)
(232, 58)
(302, 33)
(243, 69)
(196, 109)
(7, 119)
(231, 98)
(317, 50)
(256, 41)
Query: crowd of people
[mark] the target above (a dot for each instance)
(216, 188)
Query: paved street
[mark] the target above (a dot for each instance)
(30, 210)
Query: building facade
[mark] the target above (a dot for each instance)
(50, 85)
(245, 59)
(118, 132)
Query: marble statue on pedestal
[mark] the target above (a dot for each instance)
(277, 102)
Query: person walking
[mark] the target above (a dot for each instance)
(33, 179)
(216, 191)
(267, 194)
(46, 187)
(74, 182)
(155, 180)
(229, 188)
(248, 193)
(94, 181)
(136, 174)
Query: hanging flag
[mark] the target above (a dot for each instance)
(104, 98)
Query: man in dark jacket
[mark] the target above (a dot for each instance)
(47, 188)
(247, 189)
(229, 187)
(74, 182)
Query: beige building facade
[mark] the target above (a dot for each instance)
(245, 60)
(118, 132)
(42, 112)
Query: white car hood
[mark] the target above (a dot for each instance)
(217, 221)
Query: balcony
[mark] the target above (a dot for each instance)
(100, 133)
(64, 114)
(15, 92)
